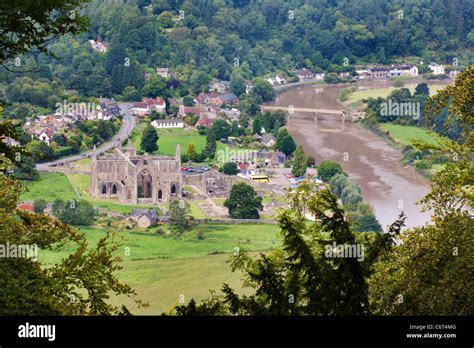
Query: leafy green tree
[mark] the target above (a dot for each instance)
(243, 202)
(422, 89)
(82, 282)
(165, 19)
(404, 282)
(191, 151)
(211, 145)
(150, 138)
(257, 126)
(32, 27)
(327, 169)
(299, 162)
(221, 129)
(263, 89)
(180, 214)
(302, 277)
(39, 206)
(285, 142)
(230, 168)
(72, 212)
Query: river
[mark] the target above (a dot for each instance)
(368, 159)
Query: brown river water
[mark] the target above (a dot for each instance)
(368, 159)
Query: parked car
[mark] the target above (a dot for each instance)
(204, 168)
(184, 168)
(191, 170)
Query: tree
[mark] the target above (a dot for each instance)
(39, 205)
(422, 89)
(150, 138)
(243, 202)
(398, 82)
(211, 145)
(310, 161)
(82, 282)
(191, 151)
(285, 143)
(327, 169)
(180, 214)
(165, 19)
(302, 277)
(263, 89)
(188, 100)
(32, 27)
(230, 168)
(257, 126)
(404, 282)
(221, 129)
(299, 162)
(78, 213)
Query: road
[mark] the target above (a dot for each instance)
(125, 130)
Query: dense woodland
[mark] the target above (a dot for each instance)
(235, 40)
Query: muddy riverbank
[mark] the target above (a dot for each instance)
(368, 159)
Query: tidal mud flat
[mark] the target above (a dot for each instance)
(368, 159)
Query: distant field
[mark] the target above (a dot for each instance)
(49, 187)
(163, 268)
(170, 138)
(405, 134)
(384, 92)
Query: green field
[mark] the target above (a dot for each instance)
(405, 134)
(384, 92)
(170, 138)
(49, 187)
(162, 268)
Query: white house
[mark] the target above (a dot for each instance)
(436, 69)
(163, 72)
(278, 79)
(157, 104)
(140, 109)
(46, 135)
(171, 123)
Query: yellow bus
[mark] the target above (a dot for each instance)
(259, 178)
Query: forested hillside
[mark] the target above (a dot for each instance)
(242, 39)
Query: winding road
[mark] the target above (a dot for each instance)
(128, 123)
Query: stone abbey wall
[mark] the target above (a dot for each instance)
(133, 179)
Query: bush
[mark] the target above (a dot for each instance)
(327, 169)
(230, 168)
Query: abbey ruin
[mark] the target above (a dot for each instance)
(135, 179)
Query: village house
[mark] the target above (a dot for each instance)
(228, 99)
(171, 123)
(454, 73)
(394, 71)
(185, 110)
(163, 72)
(205, 121)
(144, 218)
(268, 140)
(205, 98)
(27, 206)
(436, 69)
(248, 86)
(98, 46)
(107, 109)
(232, 114)
(140, 109)
(305, 74)
(277, 79)
(219, 86)
(46, 135)
(158, 104)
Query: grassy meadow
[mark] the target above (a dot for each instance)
(384, 92)
(162, 268)
(404, 135)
